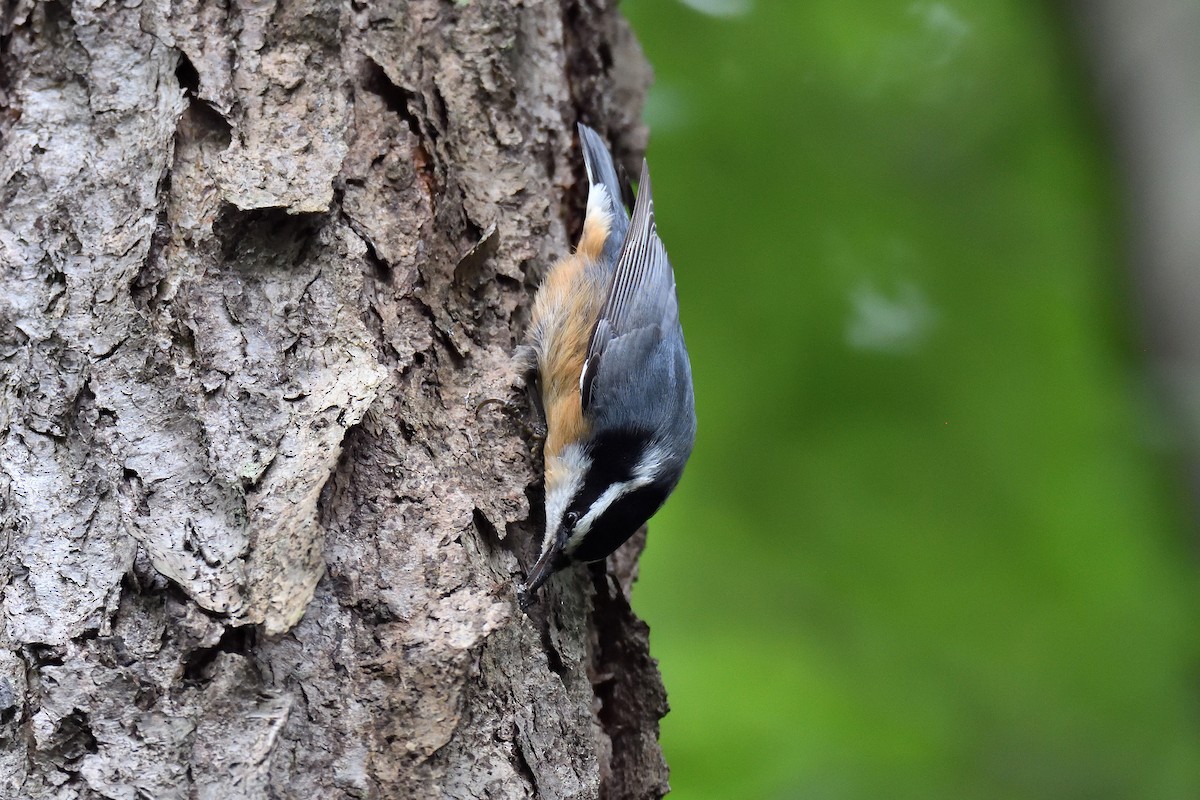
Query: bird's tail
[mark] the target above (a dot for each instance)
(604, 189)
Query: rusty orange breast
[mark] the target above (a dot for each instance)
(565, 313)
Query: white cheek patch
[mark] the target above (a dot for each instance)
(572, 465)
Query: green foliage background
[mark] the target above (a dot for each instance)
(934, 540)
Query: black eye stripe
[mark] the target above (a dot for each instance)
(615, 455)
(621, 520)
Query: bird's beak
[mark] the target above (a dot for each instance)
(541, 572)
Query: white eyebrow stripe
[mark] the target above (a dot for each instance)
(643, 475)
(610, 496)
(648, 468)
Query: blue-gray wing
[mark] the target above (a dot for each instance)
(644, 384)
(637, 372)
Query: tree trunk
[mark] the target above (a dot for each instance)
(262, 263)
(1145, 61)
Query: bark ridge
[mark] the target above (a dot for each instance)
(262, 262)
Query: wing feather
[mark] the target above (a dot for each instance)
(642, 291)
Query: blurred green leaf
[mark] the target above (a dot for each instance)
(932, 542)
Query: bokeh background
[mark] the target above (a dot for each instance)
(937, 539)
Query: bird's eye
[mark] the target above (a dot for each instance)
(570, 519)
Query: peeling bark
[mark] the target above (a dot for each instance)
(262, 263)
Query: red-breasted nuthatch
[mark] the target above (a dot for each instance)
(611, 377)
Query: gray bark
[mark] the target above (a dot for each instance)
(262, 261)
(1145, 58)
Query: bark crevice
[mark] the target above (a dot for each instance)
(266, 261)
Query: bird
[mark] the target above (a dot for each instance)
(608, 375)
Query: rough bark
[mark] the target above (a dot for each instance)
(262, 261)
